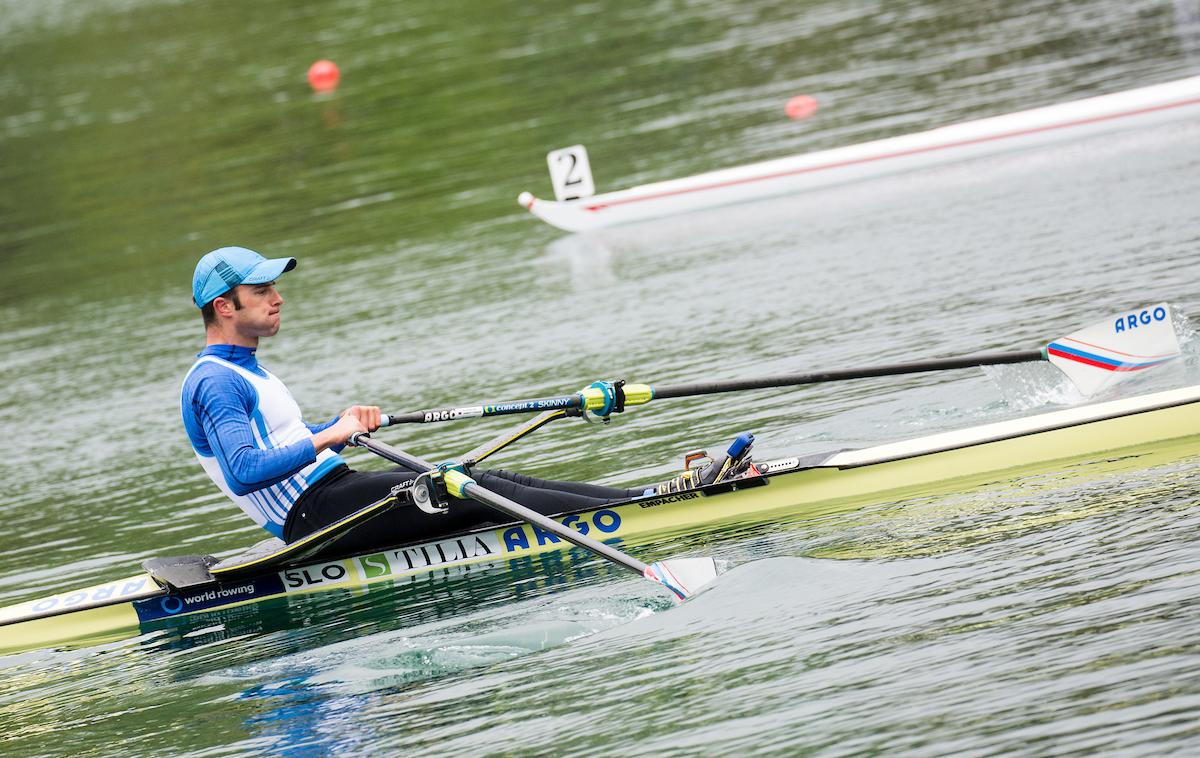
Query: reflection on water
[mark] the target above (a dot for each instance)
(587, 260)
(409, 602)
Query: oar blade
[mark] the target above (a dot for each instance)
(1096, 357)
(683, 576)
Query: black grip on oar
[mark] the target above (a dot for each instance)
(485, 410)
(889, 369)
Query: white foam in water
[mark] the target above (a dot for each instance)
(1026, 386)
(1188, 343)
(815, 587)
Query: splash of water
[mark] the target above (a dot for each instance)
(1027, 386)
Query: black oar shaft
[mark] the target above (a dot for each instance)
(508, 507)
(660, 392)
(393, 454)
(816, 377)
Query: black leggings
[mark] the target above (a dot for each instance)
(344, 491)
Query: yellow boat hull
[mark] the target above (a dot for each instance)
(1134, 433)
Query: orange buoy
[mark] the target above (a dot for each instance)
(801, 106)
(323, 76)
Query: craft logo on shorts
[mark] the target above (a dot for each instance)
(1143, 318)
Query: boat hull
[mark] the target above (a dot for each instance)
(1141, 107)
(1122, 433)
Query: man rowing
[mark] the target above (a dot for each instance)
(286, 474)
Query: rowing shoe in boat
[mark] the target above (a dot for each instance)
(1026, 129)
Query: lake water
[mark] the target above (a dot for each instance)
(1051, 615)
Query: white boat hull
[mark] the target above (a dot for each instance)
(1026, 129)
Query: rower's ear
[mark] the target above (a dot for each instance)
(224, 307)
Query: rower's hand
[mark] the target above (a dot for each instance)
(367, 415)
(347, 425)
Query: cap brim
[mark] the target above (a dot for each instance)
(269, 270)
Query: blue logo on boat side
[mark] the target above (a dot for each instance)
(107, 592)
(213, 596)
(1144, 318)
(606, 521)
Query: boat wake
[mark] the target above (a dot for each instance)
(789, 585)
(400, 658)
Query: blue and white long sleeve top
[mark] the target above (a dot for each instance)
(249, 435)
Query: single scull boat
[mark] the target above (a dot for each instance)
(937, 463)
(1091, 358)
(1040, 126)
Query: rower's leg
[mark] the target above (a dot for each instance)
(491, 480)
(327, 502)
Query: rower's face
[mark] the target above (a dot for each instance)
(259, 314)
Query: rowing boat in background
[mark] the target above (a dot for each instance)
(1025, 129)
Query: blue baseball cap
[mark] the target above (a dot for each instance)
(227, 267)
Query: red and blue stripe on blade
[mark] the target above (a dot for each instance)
(1115, 361)
(683, 576)
(1096, 356)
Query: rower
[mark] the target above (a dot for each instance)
(286, 474)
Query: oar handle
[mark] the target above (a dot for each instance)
(435, 415)
(393, 454)
(599, 397)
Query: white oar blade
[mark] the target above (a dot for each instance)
(1096, 357)
(683, 576)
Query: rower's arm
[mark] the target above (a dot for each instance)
(316, 429)
(222, 411)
